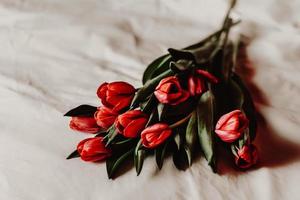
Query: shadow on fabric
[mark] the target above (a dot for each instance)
(274, 150)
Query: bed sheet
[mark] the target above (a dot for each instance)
(54, 54)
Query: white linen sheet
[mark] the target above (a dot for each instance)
(55, 53)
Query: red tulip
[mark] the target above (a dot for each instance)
(116, 95)
(105, 117)
(155, 135)
(246, 156)
(169, 91)
(84, 124)
(131, 123)
(197, 82)
(231, 126)
(93, 149)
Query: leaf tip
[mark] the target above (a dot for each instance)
(159, 166)
(74, 154)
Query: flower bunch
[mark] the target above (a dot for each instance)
(191, 100)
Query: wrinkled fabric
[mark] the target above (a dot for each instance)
(55, 54)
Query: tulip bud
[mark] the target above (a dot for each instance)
(84, 124)
(196, 85)
(105, 117)
(231, 126)
(246, 156)
(155, 135)
(116, 95)
(93, 149)
(169, 91)
(197, 82)
(131, 123)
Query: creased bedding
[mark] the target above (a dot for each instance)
(54, 54)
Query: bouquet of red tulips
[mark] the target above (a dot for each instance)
(191, 100)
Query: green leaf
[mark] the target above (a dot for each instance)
(177, 141)
(235, 95)
(180, 159)
(123, 142)
(101, 133)
(243, 140)
(228, 61)
(145, 91)
(160, 154)
(181, 54)
(189, 154)
(248, 106)
(82, 111)
(234, 150)
(139, 155)
(228, 97)
(158, 64)
(180, 65)
(205, 120)
(231, 59)
(114, 162)
(161, 64)
(199, 55)
(191, 137)
(74, 154)
(112, 133)
(148, 105)
(152, 118)
(161, 111)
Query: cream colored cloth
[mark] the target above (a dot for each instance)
(55, 53)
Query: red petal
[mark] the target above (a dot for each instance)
(244, 122)
(96, 158)
(228, 136)
(161, 96)
(163, 136)
(135, 128)
(184, 96)
(226, 117)
(207, 75)
(121, 87)
(114, 98)
(125, 102)
(231, 124)
(165, 80)
(80, 145)
(156, 128)
(192, 85)
(101, 92)
(84, 124)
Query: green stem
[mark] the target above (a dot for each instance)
(178, 123)
(208, 38)
(232, 4)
